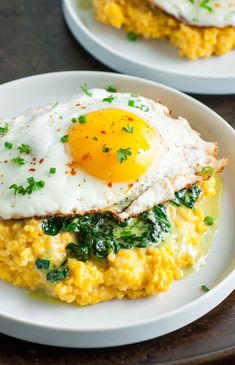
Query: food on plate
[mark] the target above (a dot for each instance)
(105, 196)
(199, 29)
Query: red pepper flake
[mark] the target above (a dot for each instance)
(73, 172)
(86, 156)
(110, 184)
(41, 161)
(73, 165)
(32, 169)
(130, 185)
(102, 132)
(130, 119)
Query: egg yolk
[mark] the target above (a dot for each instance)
(112, 145)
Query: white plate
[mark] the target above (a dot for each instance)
(122, 322)
(151, 59)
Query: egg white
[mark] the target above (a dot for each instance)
(211, 13)
(181, 154)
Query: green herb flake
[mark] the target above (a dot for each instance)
(24, 148)
(207, 171)
(95, 138)
(132, 37)
(42, 264)
(144, 108)
(106, 149)
(128, 129)
(64, 139)
(52, 170)
(209, 221)
(205, 4)
(18, 161)
(32, 186)
(123, 154)
(111, 89)
(4, 129)
(85, 90)
(8, 145)
(131, 103)
(109, 99)
(81, 119)
(204, 288)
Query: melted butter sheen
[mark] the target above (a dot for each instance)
(217, 13)
(191, 238)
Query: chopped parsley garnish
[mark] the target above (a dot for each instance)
(205, 288)
(95, 138)
(64, 139)
(18, 161)
(143, 107)
(111, 89)
(123, 154)
(109, 99)
(131, 36)
(106, 149)
(131, 103)
(206, 5)
(209, 221)
(8, 145)
(52, 170)
(43, 264)
(128, 129)
(24, 148)
(81, 119)
(85, 90)
(32, 186)
(207, 171)
(61, 117)
(4, 129)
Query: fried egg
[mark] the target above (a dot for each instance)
(208, 13)
(98, 151)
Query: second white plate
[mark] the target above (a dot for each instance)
(155, 60)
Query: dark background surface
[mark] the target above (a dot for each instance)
(34, 39)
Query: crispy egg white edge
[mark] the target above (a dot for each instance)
(222, 14)
(65, 194)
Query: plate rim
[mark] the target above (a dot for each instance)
(67, 7)
(225, 282)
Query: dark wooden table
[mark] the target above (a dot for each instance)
(34, 39)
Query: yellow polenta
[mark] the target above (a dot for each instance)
(133, 273)
(138, 17)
